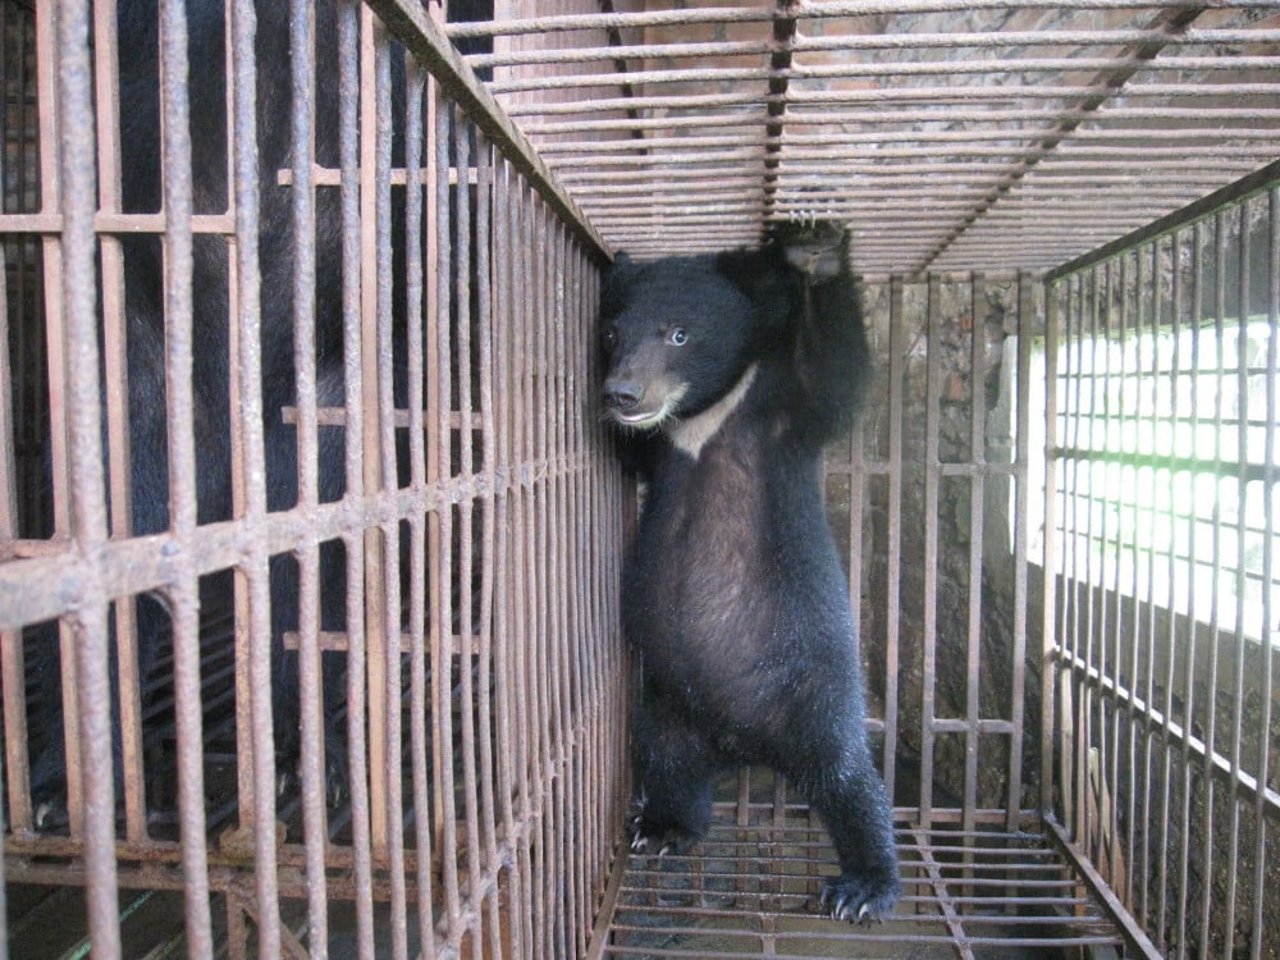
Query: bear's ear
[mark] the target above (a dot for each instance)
(617, 283)
(766, 279)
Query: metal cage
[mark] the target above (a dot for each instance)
(311, 537)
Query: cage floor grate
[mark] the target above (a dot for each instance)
(754, 891)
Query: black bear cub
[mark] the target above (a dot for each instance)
(728, 373)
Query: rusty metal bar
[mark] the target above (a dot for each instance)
(931, 480)
(310, 671)
(727, 15)
(427, 43)
(180, 416)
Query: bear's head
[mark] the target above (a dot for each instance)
(678, 333)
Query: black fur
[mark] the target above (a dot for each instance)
(734, 594)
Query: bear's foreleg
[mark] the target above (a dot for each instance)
(852, 803)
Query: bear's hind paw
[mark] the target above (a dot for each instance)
(660, 839)
(859, 899)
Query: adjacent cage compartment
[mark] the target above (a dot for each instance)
(311, 538)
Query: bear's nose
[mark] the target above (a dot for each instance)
(622, 394)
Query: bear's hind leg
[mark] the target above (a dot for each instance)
(674, 764)
(851, 799)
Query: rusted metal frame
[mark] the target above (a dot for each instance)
(851, 147)
(1151, 730)
(1172, 635)
(587, 179)
(12, 668)
(546, 551)
(1070, 619)
(1135, 937)
(442, 601)
(388, 650)
(116, 386)
(582, 394)
(932, 481)
(977, 511)
(315, 830)
(427, 42)
(893, 586)
(747, 121)
(485, 158)
(1049, 623)
(1021, 458)
(1242, 257)
(507, 680)
(1066, 118)
(1189, 672)
(1215, 615)
(569, 659)
(999, 65)
(1171, 20)
(1217, 764)
(419, 290)
(462, 131)
(1093, 708)
(1055, 171)
(726, 15)
(50, 107)
(657, 159)
(88, 626)
(954, 923)
(349, 29)
(183, 591)
(50, 221)
(145, 563)
(1239, 190)
(252, 572)
(650, 188)
(1148, 278)
(520, 304)
(377, 615)
(1268, 564)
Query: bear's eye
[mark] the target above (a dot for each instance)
(610, 339)
(677, 337)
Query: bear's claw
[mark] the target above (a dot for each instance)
(859, 899)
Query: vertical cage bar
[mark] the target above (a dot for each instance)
(442, 626)
(353, 373)
(253, 570)
(1271, 371)
(1219, 251)
(372, 52)
(1196, 319)
(388, 591)
(310, 671)
(184, 594)
(116, 384)
(485, 157)
(419, 286)
(89, 625)
(893, 583)
(977, 494)
(1050, 663)
(465, 643)
(1241, 423)
(51, 103)
(932, 471)
(1021, 455)
(17, 763)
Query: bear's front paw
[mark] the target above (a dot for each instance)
(661, 838)
(860, 898)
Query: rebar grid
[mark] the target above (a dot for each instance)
(1161, 613)
(751, 890)
(948, 136)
